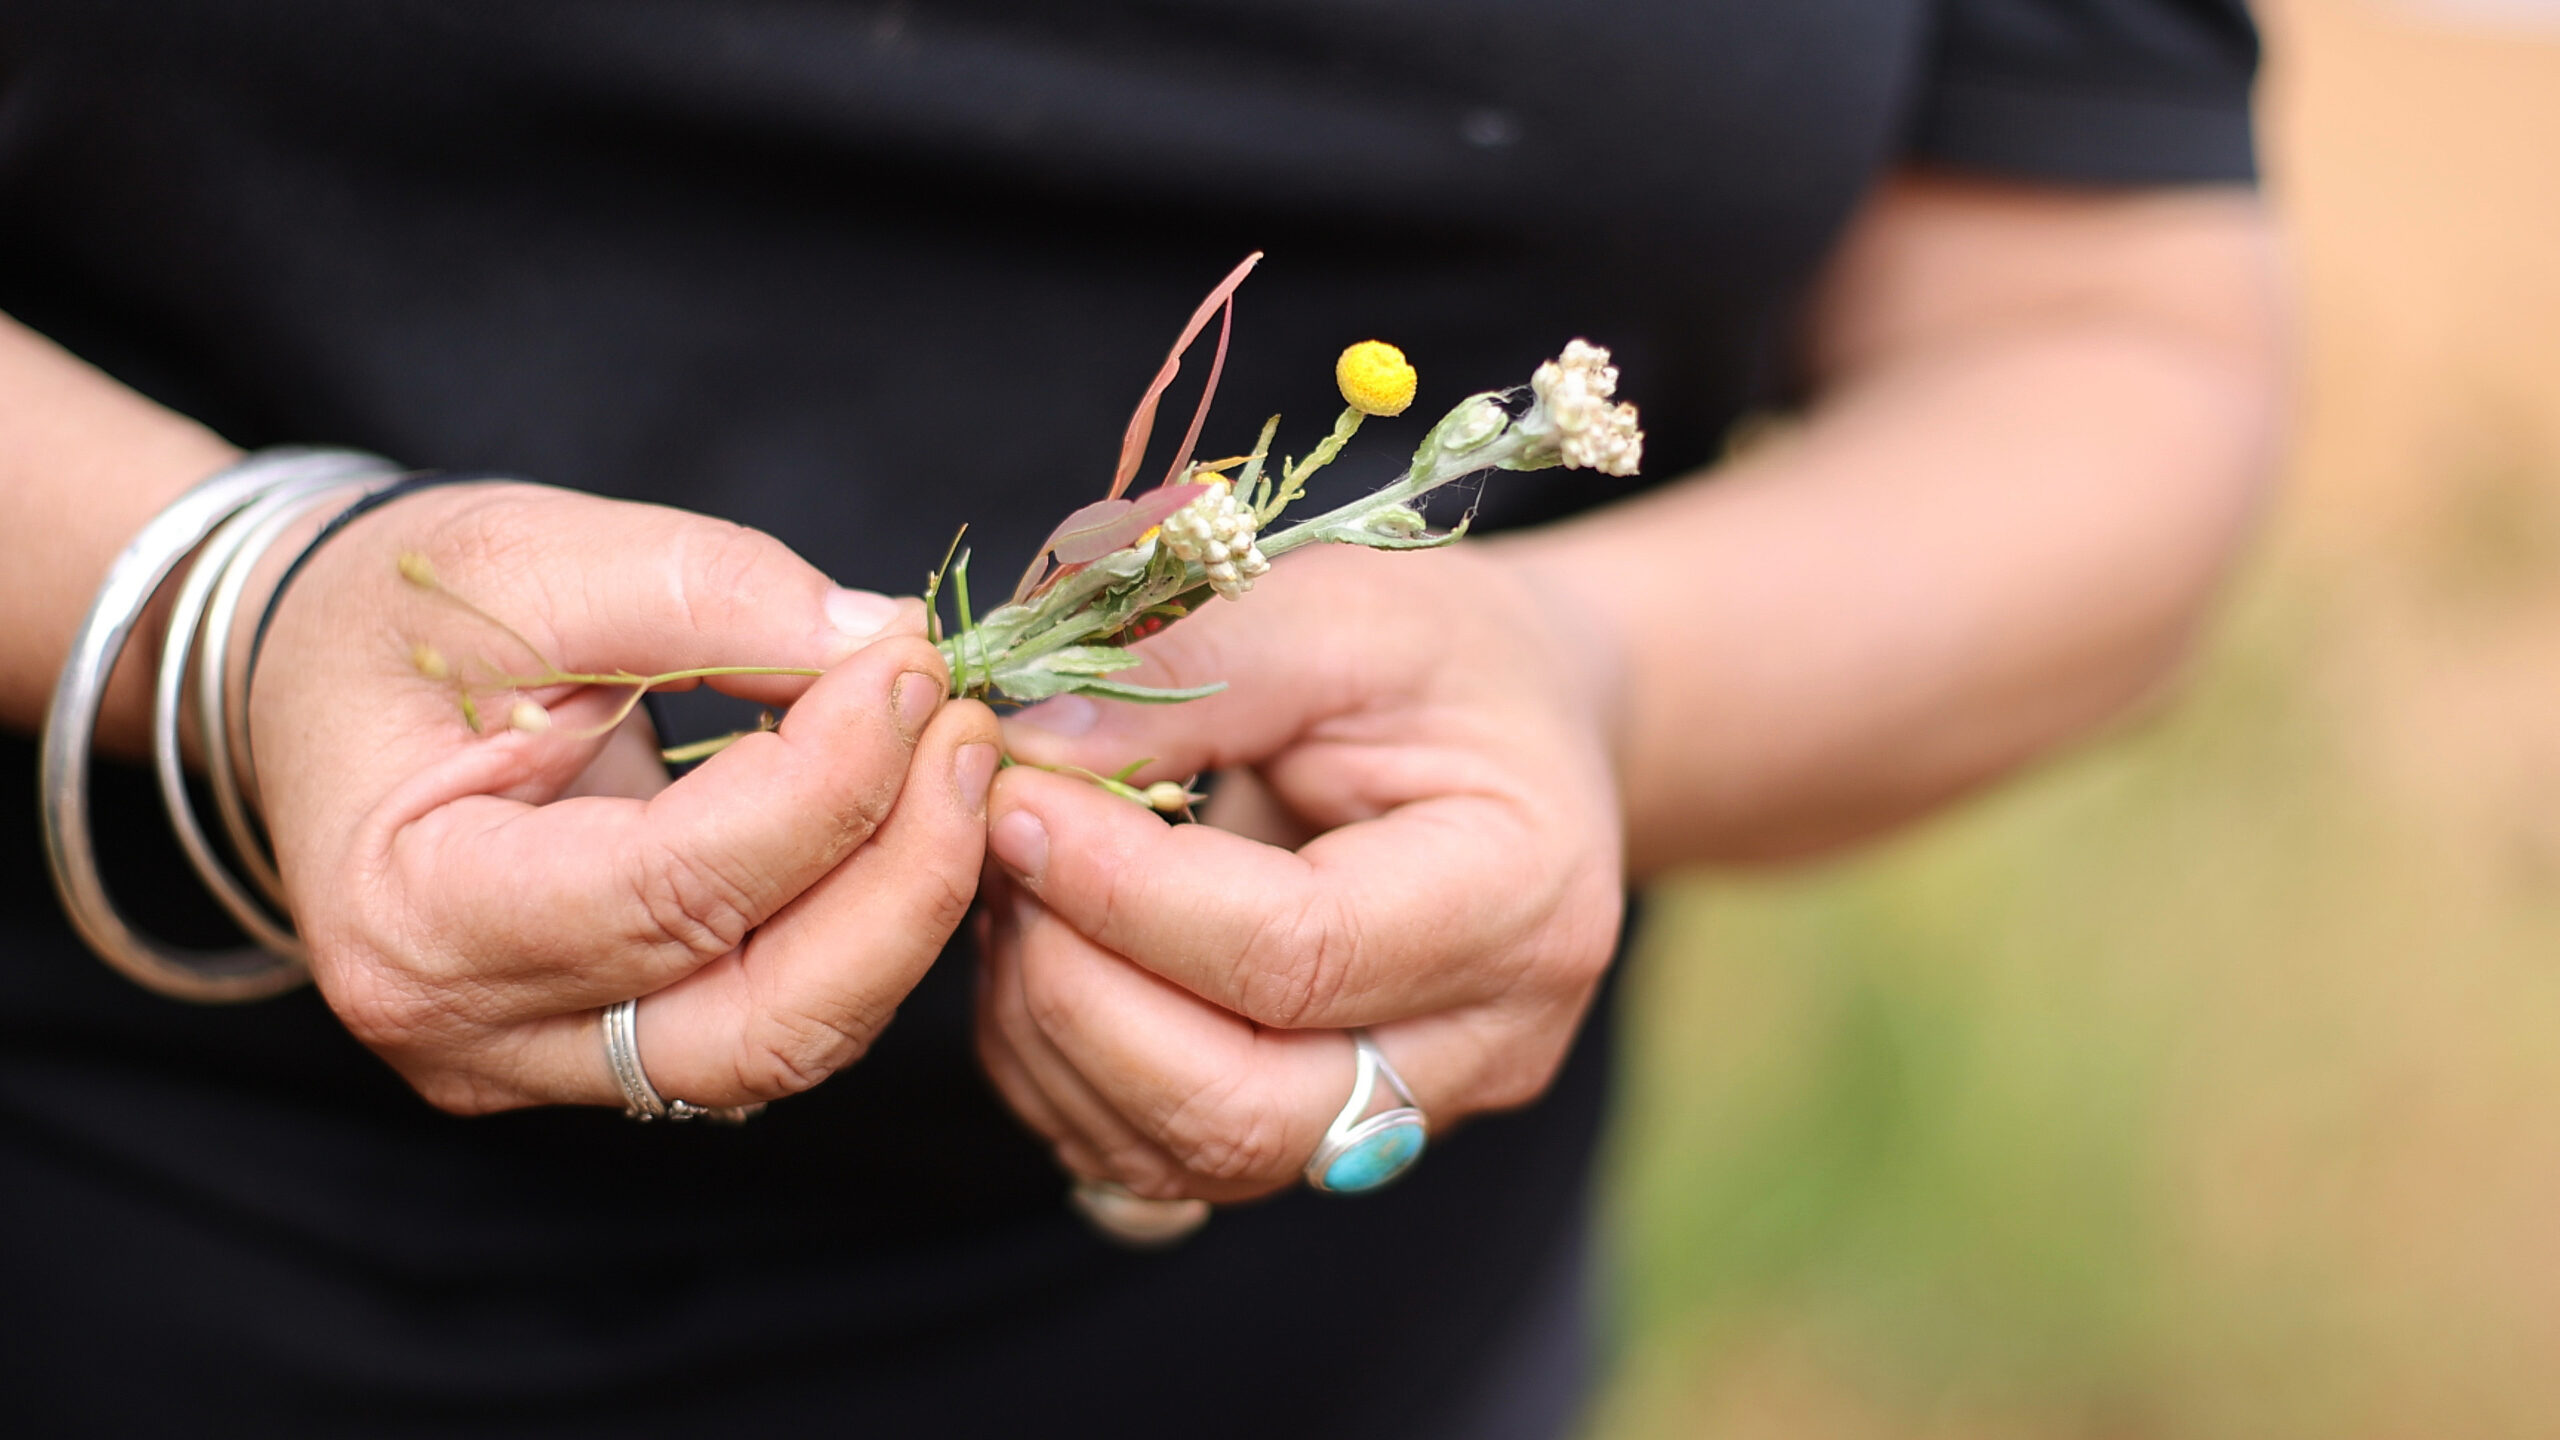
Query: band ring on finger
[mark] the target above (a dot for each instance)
(1362, 1152)
(640, 1099)
(1121, 1214)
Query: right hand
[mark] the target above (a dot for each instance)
(470, 901)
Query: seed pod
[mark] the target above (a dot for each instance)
(528, 717)
(1167, 797)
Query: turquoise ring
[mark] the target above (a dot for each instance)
(1362, 1152)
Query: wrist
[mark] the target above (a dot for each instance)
(222, 522)
(1570, 598)
(156, 472)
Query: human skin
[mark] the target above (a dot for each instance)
(471, 901)
(2042, 423)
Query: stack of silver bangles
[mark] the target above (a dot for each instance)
(229, 523)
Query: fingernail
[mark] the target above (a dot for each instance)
(859, 614)
(915, 697)
(1021, 842)
(972, 771)
(1068, 715)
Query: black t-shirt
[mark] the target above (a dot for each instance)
(855, 274)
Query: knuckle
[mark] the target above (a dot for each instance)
(1582, 937)
(1295, 968)
(945, 895)
(787, 1054)
(1051, 999)
(724, 569)
(1224, 1135)
(460, 1092)
(425, 1027)
(1110, 893)
(498, 531)
(388, 1009)
(1596, 923)
(1522, 1077)
(691, 902)
(1152, 1179)
(1145, 1170)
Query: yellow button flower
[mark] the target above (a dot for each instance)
(1375, 379)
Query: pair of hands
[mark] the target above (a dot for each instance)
(1420, 836)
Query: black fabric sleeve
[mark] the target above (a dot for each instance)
(2101, 92)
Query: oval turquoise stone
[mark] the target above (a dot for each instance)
(1375, 1161)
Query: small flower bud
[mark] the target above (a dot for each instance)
(428, 661)
(1477, 419)
(1167, 797)
(1589, 433)
(1375, 379)
(418, 570)
(1215, 532)
(528, 717)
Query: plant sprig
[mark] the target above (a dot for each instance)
(528, 715)
(1124, 567)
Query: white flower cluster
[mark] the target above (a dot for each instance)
(1590, 433)
(1216, 532)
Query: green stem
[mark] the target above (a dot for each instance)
(1409, 486)
(1345, 425)
(702, 749)
(960, 682)
(1066, 619)
(649, 682)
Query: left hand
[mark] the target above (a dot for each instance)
(1164, 1003)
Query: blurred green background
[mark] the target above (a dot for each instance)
(2205, 1082)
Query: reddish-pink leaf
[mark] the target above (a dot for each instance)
(1108, 525)
(1208, 392)
(1142, 422)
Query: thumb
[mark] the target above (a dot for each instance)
(1280, 686)
(610, 585)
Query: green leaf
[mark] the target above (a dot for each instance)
(1029, 685)
(1062, 671)
(1391, 530)
(1146, 694)
(1088, 660)
(1401, 522)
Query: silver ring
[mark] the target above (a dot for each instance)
(1362, 1152)
(640, 1099)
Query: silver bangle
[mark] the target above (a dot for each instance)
(245, 973)
(222, 694)
(233, 550)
